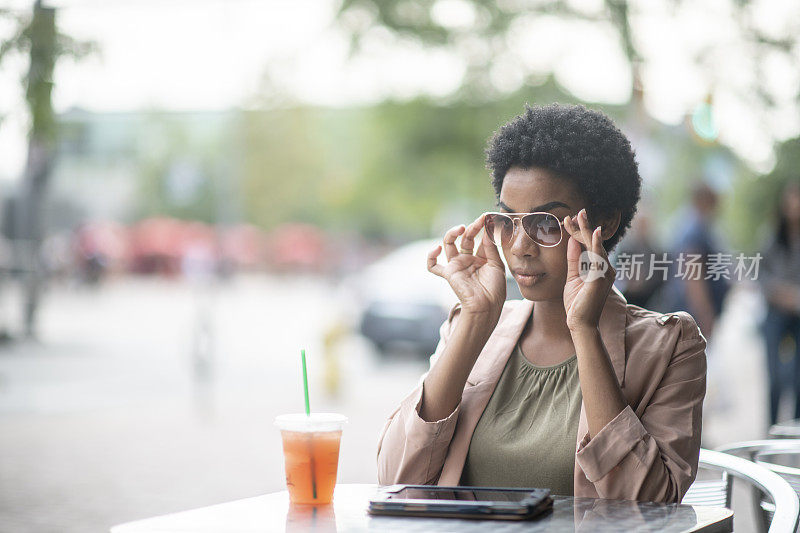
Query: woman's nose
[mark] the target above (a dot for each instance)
(521, 244)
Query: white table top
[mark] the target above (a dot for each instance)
(272, 512)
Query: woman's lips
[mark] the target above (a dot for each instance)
(528, 279)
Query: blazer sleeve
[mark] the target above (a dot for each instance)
(411, 450)
(654, 457)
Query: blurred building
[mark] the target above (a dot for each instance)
(121, 166)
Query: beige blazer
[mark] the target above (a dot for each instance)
(648, 452)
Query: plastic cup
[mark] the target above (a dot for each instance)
(311, 454)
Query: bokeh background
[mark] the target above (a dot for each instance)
(193, 191)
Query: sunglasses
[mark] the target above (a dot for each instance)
(543, 228)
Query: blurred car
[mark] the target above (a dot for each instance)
(402, 303)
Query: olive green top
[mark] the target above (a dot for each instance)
(526, 436)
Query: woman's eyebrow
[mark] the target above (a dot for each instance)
(543, 207)
(550, 205)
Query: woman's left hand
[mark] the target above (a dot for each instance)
(587, 288)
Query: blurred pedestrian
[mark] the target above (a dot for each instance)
(639, 250)
(780, 282)
(692, 287)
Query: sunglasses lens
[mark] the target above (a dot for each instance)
(500, 228)
(542, 228)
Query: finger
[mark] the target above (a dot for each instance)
(567, 224)
(433, 266)
(449, 241)
(481, 251)
(572, 227)
(586, 233)
(573, 258)
(489, 248)
(468, 240)
(595, 240)
(599, 249)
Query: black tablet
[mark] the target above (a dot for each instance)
(461, 502)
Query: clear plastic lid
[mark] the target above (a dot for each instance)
(312, 422)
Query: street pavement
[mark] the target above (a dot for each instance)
(147, 396)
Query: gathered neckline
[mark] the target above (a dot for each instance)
(527, 362)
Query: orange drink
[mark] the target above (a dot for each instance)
(311, 463)
(311, 454)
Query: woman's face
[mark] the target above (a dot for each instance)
(537, 189)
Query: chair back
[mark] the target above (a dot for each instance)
(766, 454)
(711, 492)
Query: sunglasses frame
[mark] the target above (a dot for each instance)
(519, 217)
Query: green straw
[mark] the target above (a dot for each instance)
(308, 413)
(305, 381)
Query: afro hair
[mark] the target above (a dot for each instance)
(578, 144)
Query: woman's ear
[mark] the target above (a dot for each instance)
(610, 224)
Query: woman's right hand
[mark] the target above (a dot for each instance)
(479, 279)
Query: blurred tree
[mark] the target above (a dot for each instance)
(479, 28)
(485, 34)
(37, 36)
(386, 171)
(283, 167)
(480, 31)
(392, 171)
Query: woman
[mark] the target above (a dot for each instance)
(571, 388)
(780, 281)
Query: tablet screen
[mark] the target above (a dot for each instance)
(466, 494)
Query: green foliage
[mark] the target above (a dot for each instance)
(479, 37)
(396, 170)
(385, 171)
(478, 31)
(283, 166)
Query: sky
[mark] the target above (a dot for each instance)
(221, 54)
